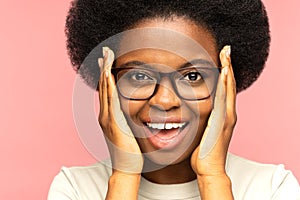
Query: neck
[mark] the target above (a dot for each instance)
(177, 173)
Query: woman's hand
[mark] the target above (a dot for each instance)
(125, 152)
(209, 159)
(127, 160)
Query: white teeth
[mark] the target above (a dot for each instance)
(175, 125)
(160, 126)
(168, 126)
(165, 125)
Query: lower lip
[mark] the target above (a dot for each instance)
(167, 138)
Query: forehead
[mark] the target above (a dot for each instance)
(161, 60)
(158, 40)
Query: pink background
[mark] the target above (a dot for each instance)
(37, 132)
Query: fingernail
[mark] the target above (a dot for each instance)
(100, 63)
(106, 73)
(228, 51)
(104, 50)
(225, 70)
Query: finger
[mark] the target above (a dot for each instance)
(231, 86)
(231, 91)
(114, 103)
(108, 58)
(221, 93)
(216, 120)
(100, 86)
(108, 62)
(226, 62)
(225, 56)
(103, 91)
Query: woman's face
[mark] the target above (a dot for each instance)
(167, 127)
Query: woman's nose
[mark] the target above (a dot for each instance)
(165, 97)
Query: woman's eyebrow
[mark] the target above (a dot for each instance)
(199, 62)
(134, 63)
(195, 62)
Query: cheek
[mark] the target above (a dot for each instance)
(205, 109)
(131, 109)
(201, 109)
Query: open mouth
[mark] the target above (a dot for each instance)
(166, 126)
(165, 135)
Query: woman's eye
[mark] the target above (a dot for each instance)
(193, 76)
(140, 77)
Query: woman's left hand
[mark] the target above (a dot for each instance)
(209, 158)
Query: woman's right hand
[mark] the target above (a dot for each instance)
(125, 153)
(126, 156)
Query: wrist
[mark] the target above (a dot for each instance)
(119, 176)
(215, 186)
(123, 186)
(214, 179)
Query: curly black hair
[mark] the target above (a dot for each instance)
(242, 24)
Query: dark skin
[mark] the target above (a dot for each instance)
(210, 169)
(183, 170)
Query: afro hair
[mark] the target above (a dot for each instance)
(242, 24)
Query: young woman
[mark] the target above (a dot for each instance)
(167, 93)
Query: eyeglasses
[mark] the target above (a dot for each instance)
(189, 83)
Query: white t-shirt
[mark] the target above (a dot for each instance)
(250, 181)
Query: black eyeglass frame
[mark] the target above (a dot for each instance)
(115, 72)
